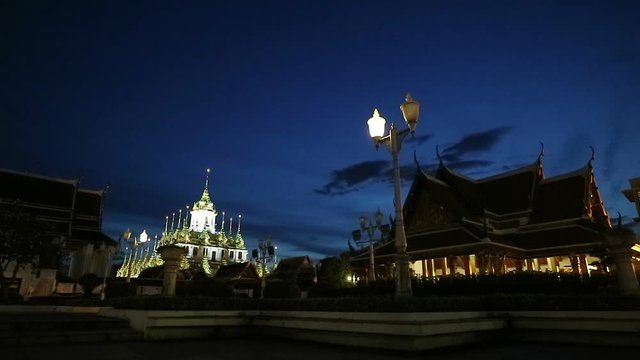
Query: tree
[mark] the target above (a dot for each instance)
(333, 271)
(23, 241)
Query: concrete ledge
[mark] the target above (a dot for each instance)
(620, 328)
(395, 331)
(50, 308)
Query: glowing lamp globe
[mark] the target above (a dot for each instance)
(410, 111)
(144, 236)
(376, 125)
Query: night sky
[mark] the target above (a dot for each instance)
(273, 96)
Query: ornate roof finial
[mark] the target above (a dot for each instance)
(239, 220)
(619, 220)
(593, 154)
(541, 151)
(222, 227)
(415, 159)
(438, 155)
(205, 202)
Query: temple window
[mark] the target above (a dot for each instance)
(213, 255)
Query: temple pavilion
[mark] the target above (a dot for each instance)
(207, 246)
(513, 221)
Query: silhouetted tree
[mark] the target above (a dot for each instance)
(333, 271)
(23, 241)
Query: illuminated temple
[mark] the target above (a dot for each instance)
(207, 246)
(514, 221)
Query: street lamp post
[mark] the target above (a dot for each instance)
(410, 111)
(370, 230)
(143, 239)
(264, 253)
(107, 258)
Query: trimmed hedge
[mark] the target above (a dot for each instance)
(511, 283)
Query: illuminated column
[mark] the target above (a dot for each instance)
(584, 267)
(466, 260)
(529, 264)
(536, 265)
(551, 264)
(430, 267)
(472, 264)
(424, 268)
(444, 266)
(490, 261)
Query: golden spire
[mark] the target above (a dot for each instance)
(166, 224)
(205, 202)
(179, 217)
(222, 227)
(239, 220)
(173, 219)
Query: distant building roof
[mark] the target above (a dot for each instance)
(292, 264)
(238, 271)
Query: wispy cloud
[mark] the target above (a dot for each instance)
(456, 156)
(474, 143)
(348, 178)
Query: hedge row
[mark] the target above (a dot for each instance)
(512, 283)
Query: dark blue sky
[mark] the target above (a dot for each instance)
(274, 96)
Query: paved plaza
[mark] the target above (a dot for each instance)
(272, 349)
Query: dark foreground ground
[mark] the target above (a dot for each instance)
(270, 349)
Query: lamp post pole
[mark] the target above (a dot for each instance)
(263, 254)
(107, 259)
(370, 230)
(143, 239)
(410, 111)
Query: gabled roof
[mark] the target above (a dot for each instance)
(237, 271)
(292, 264)
(504, 193)
(89, 203)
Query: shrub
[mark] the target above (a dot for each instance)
(306, 277)
(282, 289)
(323, 290)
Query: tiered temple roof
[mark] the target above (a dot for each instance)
(72, 212)
(518, 213)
